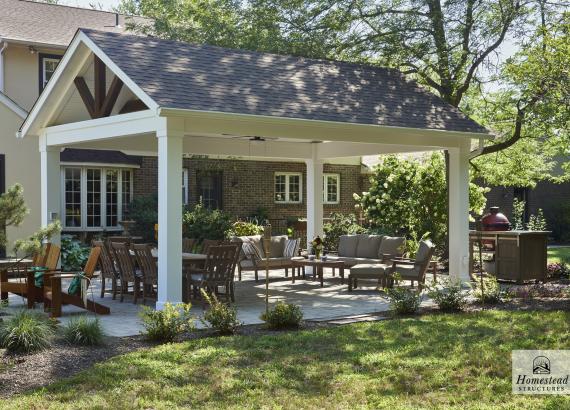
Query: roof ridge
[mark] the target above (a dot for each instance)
(247, 51)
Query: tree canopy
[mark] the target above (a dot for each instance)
(452, 47)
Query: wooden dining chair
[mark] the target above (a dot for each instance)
(188, 245)
(55, 297)
(121, 239)
(218, 271)
(147, 265)
(206, 243)
(126, 267)
(107, 267)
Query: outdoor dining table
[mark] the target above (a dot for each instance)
(196, 257)
(190, 261)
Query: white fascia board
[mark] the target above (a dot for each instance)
(341, 149)
(12, 105)
(25, 42)
(247, 124)
(140, 122)
(35, 121)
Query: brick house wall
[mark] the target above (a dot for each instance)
(248, 185)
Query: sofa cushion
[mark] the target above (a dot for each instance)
(355, 261)
(407, 271)
(423, 251)
(369, 270)
(277, 246)
(255, 240)
(368, 246)
(392, 245)
(347, 245)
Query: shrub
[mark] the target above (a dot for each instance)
(490, 292)
(558, 216)
(449, 296)
(404, 301)
(166, 324)
(73, 254)
(144, 211)
(339, 225)
(409, 196)
(241, 228)
(83, 331)
(220, 316)
(26, 332)
(283, 316)
(203, 223)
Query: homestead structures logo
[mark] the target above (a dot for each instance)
(541, 371)
(541, 365)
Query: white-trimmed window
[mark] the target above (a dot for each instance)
(288, 187)
(48, 64)
(95, 198)
(331, 188)
(185, 195)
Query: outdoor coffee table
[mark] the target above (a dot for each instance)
(318, 267)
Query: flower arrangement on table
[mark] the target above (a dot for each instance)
(317, 246)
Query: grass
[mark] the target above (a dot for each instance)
(437, 361)
(559, 254)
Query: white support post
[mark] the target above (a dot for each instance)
(459, 212)
(314, 195)
(169, 217)
(50, 181)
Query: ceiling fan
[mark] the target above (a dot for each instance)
(252, 138)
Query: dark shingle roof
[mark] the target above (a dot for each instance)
(43, 23)
(98, 157)
(201, 77)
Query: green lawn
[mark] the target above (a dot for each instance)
(436, 361)
(558, 254)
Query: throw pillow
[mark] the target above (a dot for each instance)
(251, 251)
(291, 247)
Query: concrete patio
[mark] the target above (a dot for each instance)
(333, 301)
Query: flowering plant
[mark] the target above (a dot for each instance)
(557, 270)
(317, 245)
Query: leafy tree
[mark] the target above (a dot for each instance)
(408, 197)
(532, 111)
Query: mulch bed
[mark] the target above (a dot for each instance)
(19, 373)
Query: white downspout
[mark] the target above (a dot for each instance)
(4, 46)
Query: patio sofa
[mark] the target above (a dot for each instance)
(252, 256)
(371, 249)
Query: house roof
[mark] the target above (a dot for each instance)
(52, 24)
(206, 78)
(95, 156)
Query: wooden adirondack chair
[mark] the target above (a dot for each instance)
(46, 260)
(55, 297)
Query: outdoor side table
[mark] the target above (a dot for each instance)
(318, 267)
